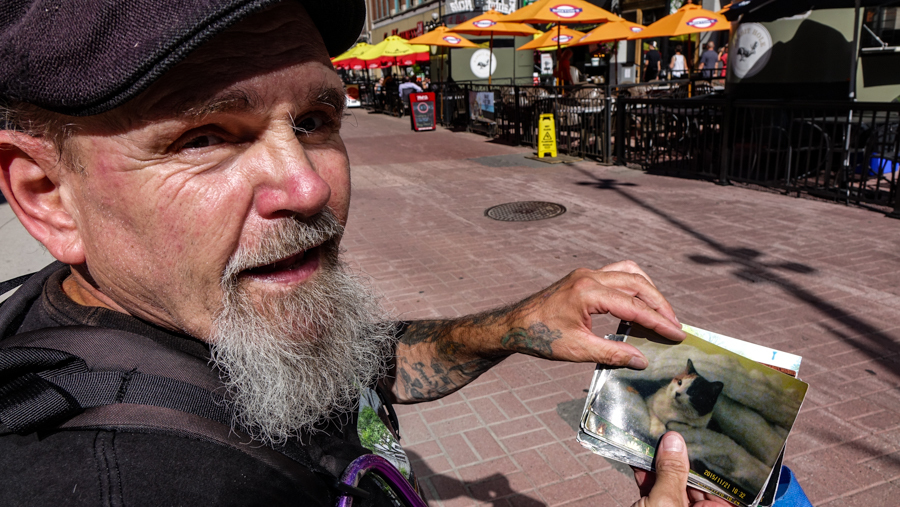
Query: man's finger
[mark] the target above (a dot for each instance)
(640, 287)
(672, 468)
(620, 304)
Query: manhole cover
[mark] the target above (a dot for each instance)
(525, 211)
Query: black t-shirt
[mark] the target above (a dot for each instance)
(652, 58)
(121, 467)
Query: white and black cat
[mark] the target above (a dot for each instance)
(685, 402)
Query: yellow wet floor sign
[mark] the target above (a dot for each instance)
(546, 136)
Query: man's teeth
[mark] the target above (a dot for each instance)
(280, 265)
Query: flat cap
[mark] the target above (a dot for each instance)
(84, 57)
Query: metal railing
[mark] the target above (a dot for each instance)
(848, 152)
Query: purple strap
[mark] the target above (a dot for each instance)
(372, 463)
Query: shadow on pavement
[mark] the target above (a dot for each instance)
(491, 490)
(748, 265)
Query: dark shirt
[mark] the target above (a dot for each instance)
(120, 467)
(709, 59)
(652, 58)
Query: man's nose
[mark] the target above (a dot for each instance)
(289, 184)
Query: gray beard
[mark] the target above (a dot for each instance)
(294, 360)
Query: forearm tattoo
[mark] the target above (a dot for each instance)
(433, 364)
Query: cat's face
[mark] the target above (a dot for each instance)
(692, 392)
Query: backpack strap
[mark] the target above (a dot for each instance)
(11, 284)
(130, 383)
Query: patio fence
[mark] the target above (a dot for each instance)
(847, 152)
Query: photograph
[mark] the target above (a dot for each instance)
(735, 414)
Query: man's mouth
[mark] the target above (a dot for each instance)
(296, 268)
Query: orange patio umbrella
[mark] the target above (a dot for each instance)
(493, 23)
(442, 37)
(610, 32)
(687, 20)
(561, 11)
(554, 38)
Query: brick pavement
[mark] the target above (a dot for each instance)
(814, 278)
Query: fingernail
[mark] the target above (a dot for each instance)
(672, 443)
(637, 363)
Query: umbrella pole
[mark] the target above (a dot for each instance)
(491, 60)
(558, 66)
(443, 84)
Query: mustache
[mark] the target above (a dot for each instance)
(286, 237)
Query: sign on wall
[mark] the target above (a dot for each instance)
(502, 6)
(483, 64)
(455, 6)
(750, 50)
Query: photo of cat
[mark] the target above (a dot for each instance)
(735, 414)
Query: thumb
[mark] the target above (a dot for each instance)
(670, 489)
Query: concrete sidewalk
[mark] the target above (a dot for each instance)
(814, 278)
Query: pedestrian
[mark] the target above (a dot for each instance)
(200, 340)
(678, 64)
(708, 61)
(652, 63)
(723, 59)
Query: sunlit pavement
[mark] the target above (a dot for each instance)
(814, 278)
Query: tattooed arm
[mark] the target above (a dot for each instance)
(437, 357)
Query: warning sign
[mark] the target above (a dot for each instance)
(547, 136)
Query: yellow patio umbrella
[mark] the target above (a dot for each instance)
(553, 38)
(350, 59)
(390, 48)
(492, 23)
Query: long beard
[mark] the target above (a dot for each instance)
(291, 361)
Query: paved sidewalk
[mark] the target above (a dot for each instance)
(814, 278)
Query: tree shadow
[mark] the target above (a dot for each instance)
(749, 264)
(493, 490)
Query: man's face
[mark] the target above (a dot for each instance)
(241, 135)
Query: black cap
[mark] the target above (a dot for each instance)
(84, 57)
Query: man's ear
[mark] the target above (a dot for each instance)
(30, 178)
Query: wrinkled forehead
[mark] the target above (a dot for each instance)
(267, 42)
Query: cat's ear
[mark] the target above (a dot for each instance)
(690, 368)
(717, 388)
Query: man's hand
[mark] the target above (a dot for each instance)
(435, 358)
(556, 322)
(668, 487)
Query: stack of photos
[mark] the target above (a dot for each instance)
(734, 403)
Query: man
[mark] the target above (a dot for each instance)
(708, 60)
(183, 162)
(652, 63)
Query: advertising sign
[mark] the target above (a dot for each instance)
(483, 63)
(752, 47)
(501, 6)
(421, 106)
(455, 6)
(481, 105)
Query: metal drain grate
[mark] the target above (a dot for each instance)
(525, 211)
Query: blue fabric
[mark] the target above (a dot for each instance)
(790, 494)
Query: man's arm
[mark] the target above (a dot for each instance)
(437, 357)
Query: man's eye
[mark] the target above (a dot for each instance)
(309, 124)
(203, 142)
